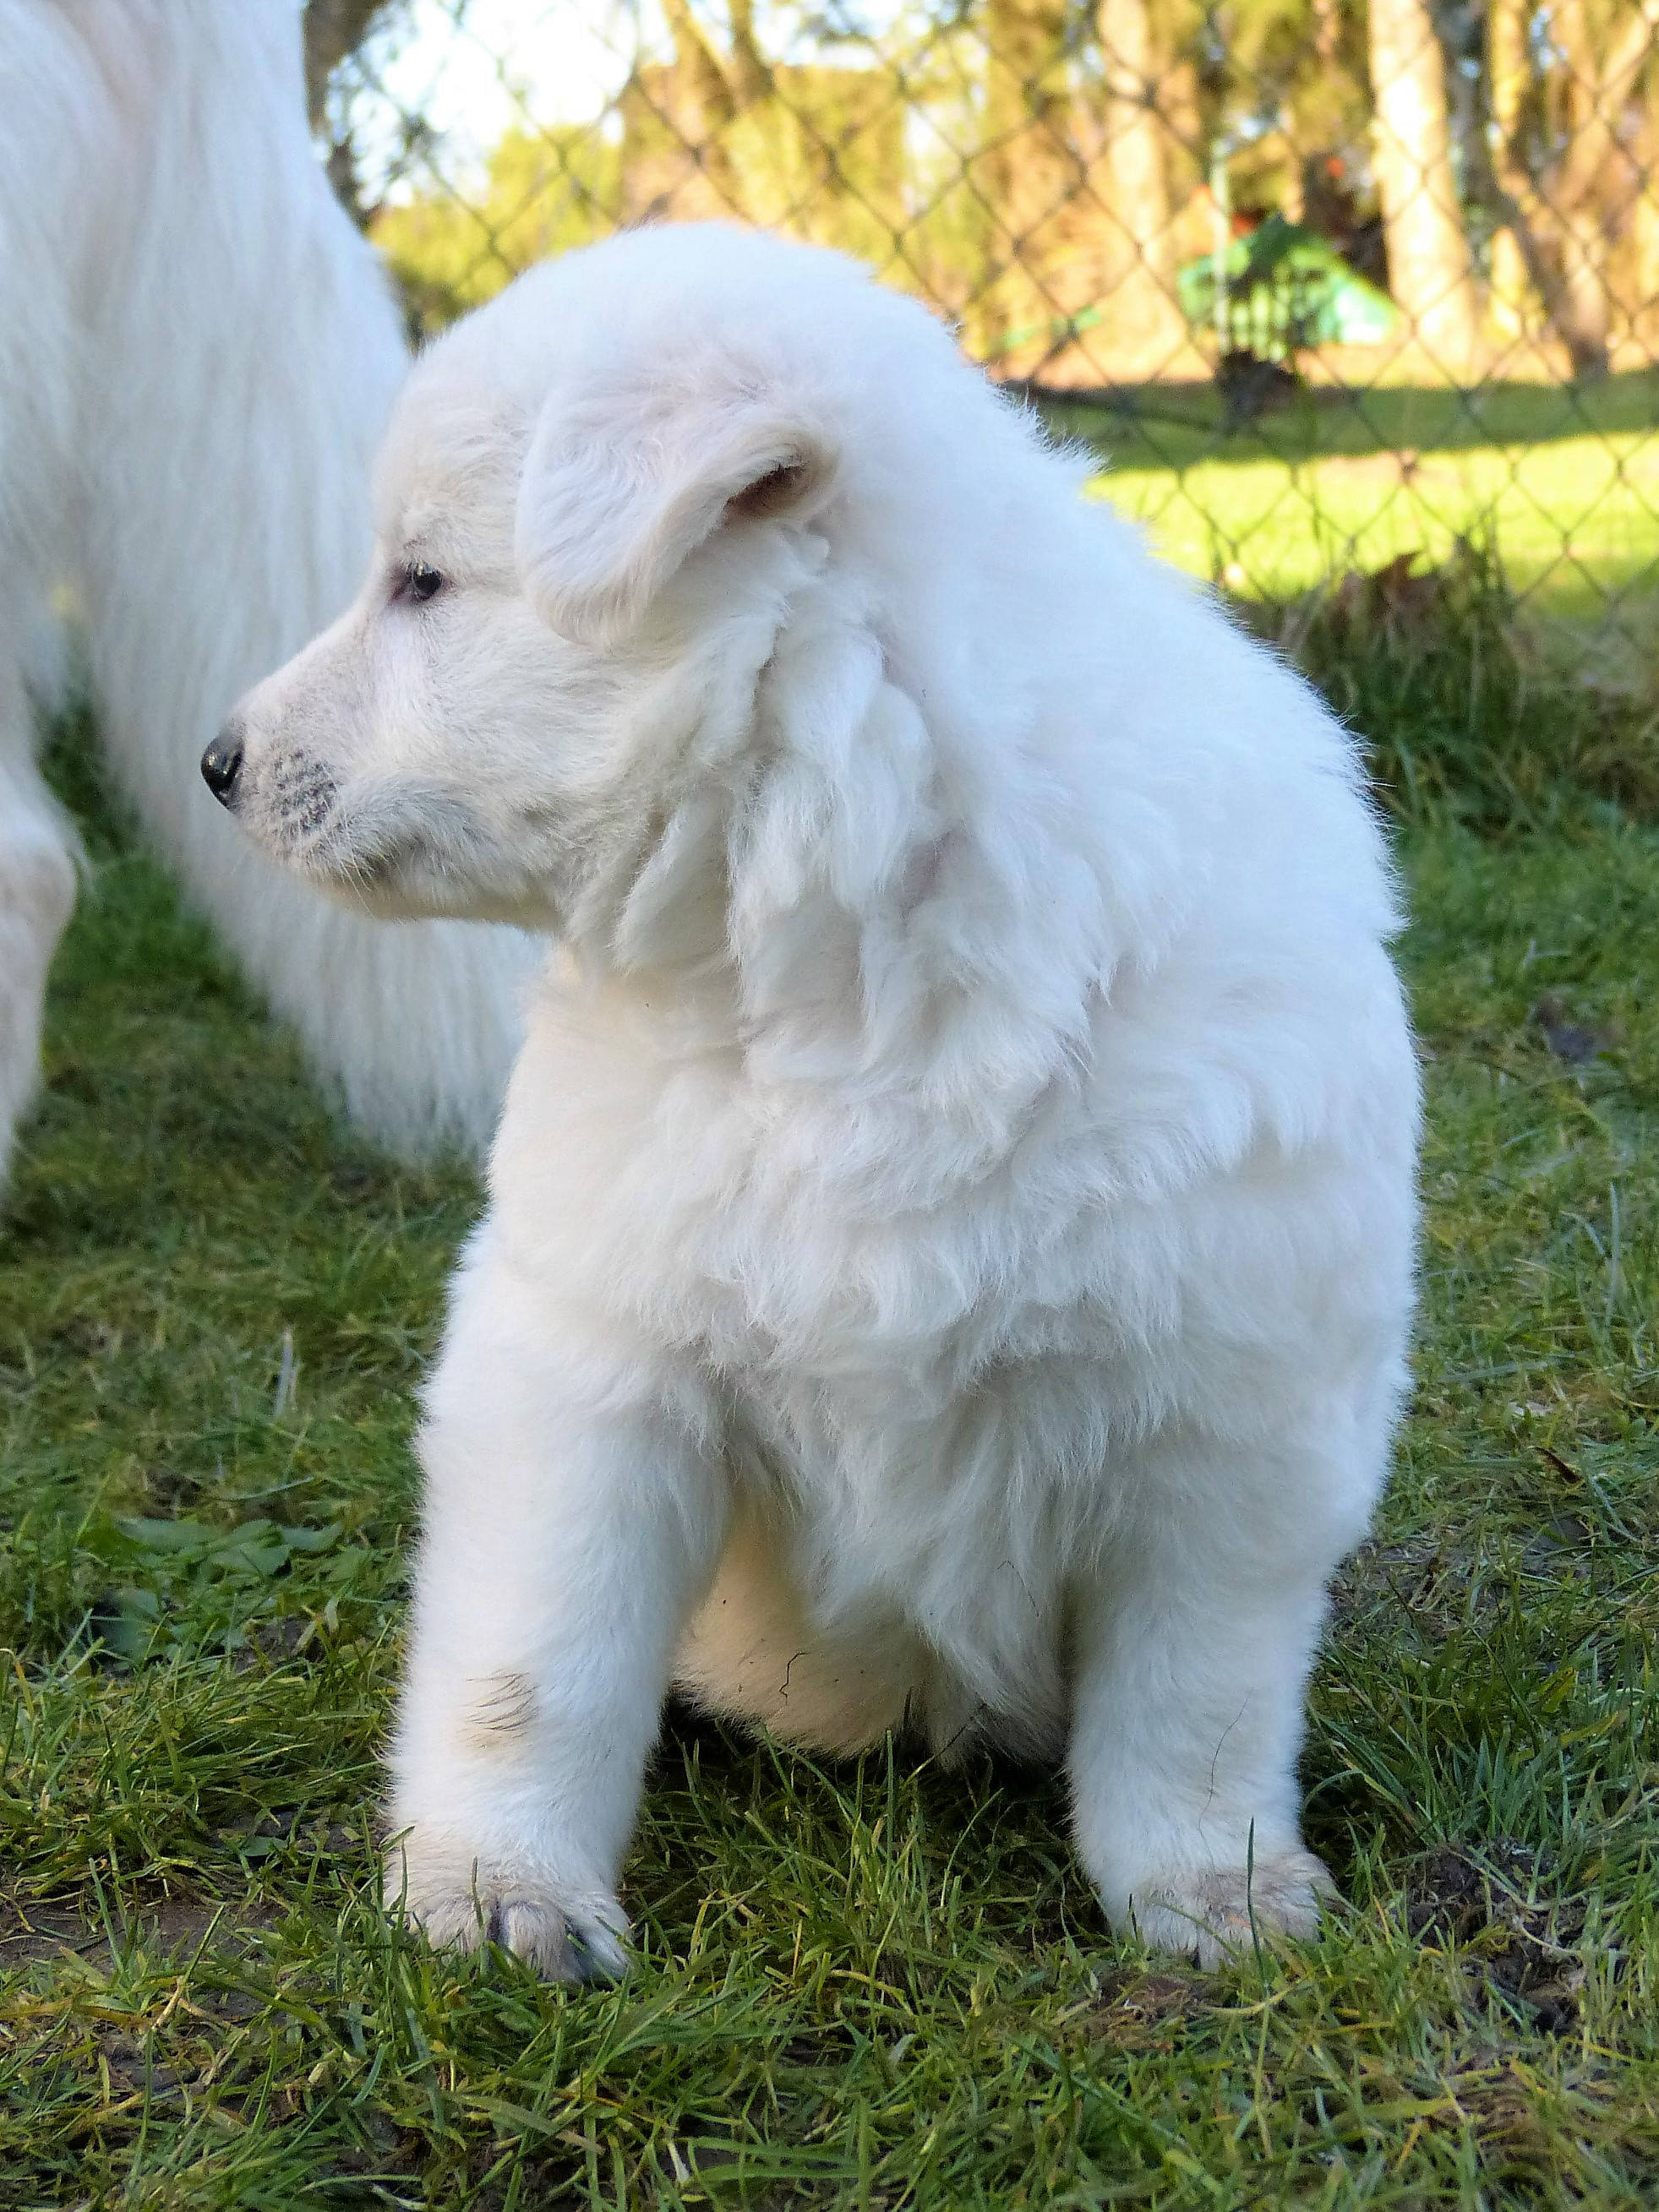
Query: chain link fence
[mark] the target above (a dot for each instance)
(1339, 287)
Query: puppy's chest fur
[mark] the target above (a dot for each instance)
(928, 1438)
(842, 1263)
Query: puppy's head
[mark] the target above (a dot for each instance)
(591, 504)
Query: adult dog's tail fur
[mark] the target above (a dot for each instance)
(198, 356)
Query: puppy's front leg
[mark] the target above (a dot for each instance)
(574, 1515)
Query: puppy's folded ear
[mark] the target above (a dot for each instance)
(617, 492)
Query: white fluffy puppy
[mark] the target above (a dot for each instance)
(950, 1255)
(197, 354)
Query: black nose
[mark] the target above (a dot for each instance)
(221, 763)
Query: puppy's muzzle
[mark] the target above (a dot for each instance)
(222, 764)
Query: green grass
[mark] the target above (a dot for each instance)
(1562, 480)
(864, 1985)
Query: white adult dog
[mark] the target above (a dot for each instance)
(950, 1247)
(197, 355)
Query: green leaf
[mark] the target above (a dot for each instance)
(313, 1540)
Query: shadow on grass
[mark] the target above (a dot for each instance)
(1176, 425)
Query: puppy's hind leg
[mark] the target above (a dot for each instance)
(1192, 1652)
(575, 1508)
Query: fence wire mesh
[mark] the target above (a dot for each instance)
(1335, 285)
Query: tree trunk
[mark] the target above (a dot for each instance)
(1562, 224)
(1640, 245)
(1594, 186)
(1429, 267)
(333, 29)
(749, 77)
(677, 165)
(1029, 176)
(1522, 252)
(1142, 313)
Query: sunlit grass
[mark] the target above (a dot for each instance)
(1576, 523)
(1562, 483)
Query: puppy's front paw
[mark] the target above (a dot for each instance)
(565, 1931)
(1219, 1912)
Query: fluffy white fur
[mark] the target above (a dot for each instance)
(197, 358)
(950, 1253)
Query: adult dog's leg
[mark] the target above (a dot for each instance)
(574, 1509)
(49, 102)
(36, 893)
(1192, 1655)
(244, 353)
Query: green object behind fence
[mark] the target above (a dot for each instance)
(1285, 288)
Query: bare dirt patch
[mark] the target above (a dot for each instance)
(1522, 1945)
(31, 1930)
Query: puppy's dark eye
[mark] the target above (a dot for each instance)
(420, 583)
